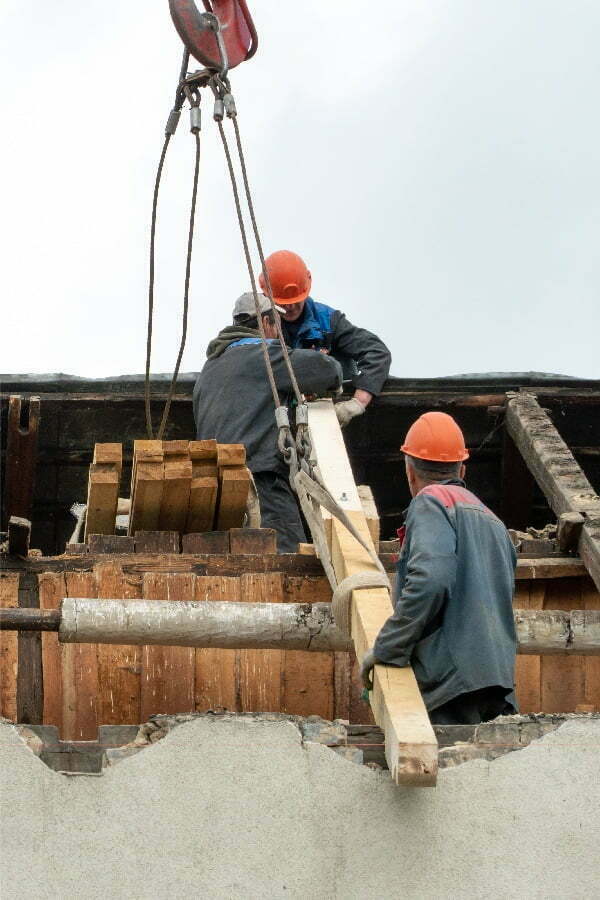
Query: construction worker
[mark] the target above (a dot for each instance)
(233, 403)
(453, 618)
(306, 323)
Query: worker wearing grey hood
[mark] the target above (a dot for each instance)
(233, 403)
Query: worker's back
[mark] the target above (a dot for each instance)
(233, 400)
(458, 562)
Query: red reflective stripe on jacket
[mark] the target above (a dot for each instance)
(451, 494)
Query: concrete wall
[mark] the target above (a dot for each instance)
(240, 808)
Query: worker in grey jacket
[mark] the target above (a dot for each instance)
(308, 323)
(233, 403)
(453, 618)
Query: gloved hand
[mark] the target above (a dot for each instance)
(366, 669)
(347, 410)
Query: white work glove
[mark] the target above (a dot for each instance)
(366, 669)
(348, 410)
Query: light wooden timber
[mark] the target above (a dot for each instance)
(146, 486)
(555, 469)
(103, 489)
(370, 510)
(410, 742)
(234, 484)
(231, 455)
(175, 498)
(204, 486)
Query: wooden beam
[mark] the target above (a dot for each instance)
(147, 476)
(103, 489)
(21, 458)
(370, 510)
(177, 475)
(234, 484)
(555, 469)
(569, 530)
(411, 745)
(30, 680)
(204, 486)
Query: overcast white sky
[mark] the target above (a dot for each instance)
(436, 162)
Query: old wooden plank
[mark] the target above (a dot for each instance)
(260, 671)
(529, 595)
(569, 530)
(157, 542)
(562, 678)
(234, 484)
(210, 542)
(147, 478)
(30, 680)
(168, 673)
(216, 670)
(556, 471)
(110, 543)
(252, 541)
(9, 654)
(308, 678)
(398, 708)
(590, 600)
(21, 457)
(119, 667)
(80, 673)
(52, 588)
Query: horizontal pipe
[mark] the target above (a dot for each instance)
(223, 624)
(266, 626)
(15, 619)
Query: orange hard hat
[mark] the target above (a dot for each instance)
(435, 436)
(289, 277)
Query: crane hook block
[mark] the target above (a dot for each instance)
(237, 31)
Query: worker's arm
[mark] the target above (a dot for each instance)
(315, 372)
(372, 357)
(430, 577)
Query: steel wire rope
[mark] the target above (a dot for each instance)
(170, 130)
(186, 291)
(242, 226)
(284, 349)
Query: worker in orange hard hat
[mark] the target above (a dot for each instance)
(309, 324)
(453, 618)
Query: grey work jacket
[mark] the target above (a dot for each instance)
(453, 617)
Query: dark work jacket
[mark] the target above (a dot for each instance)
(232, 397)
(363, 356)
(453, 617)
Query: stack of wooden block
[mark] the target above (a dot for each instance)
(188, 486)
(178, 486)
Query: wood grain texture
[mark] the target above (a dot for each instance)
(528, 671)
(562, 678)
(119, 667)
(308, 678)
(168, 673)
(80, 672)
(590, 599)
(52, 589)
(234, 484)
(177, 476)
(216, 670)
(9, 598)
(260, 671)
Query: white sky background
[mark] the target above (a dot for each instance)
(436, 163)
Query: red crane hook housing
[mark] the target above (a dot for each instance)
(237, 30)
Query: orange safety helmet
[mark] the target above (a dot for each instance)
(289, 277)
(435, 436)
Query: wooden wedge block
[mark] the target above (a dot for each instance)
(231, 455)
(103, 494)
(176, 489)
(203, 451)
(147, 489)
(234, 484)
